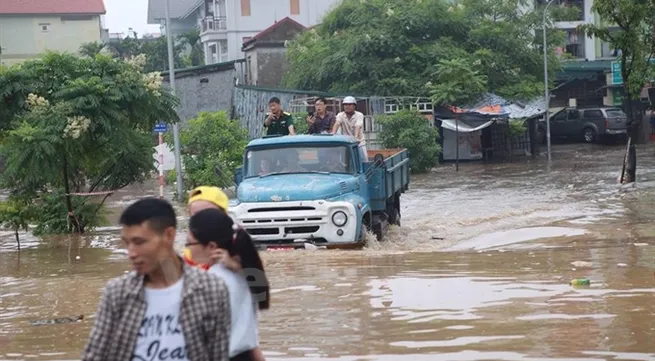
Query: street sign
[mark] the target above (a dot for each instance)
(617, 77)
(161, 128)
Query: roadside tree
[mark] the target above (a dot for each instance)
(394, 47)
(212, 146)
(76, 126)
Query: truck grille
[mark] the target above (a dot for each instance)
(280, 209)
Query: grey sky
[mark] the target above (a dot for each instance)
(125, 14)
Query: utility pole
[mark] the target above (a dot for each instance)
(176, 126)
(546, 92)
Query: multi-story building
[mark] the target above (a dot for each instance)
(30, 27)
(577, 44)
(226, 24)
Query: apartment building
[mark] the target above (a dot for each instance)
(577, 44)
(30, 27)
(226, 24)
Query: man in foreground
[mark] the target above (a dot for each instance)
(163, 309)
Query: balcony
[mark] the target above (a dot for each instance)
(212, 23)
(213, 28)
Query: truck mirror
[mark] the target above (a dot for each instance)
(238, 175)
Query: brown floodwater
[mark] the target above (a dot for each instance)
(480, 270)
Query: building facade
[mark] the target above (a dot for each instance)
(226, 24)
(568, 15)
(28, 28)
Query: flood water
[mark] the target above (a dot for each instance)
(478, 271)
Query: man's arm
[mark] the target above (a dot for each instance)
(335, 127)
(97, 347)
(268, 120)
(359, 127)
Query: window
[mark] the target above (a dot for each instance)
(301, 159)
(245, 7)
(560, 117)
(295, 7)
(45, 27)
(574, 115)
(390, 108)
(593, 114)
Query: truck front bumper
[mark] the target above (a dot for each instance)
(294, 223)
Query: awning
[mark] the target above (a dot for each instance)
(453, 125)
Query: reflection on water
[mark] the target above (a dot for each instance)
(502, 292)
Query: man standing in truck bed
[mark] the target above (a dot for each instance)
(278, 122)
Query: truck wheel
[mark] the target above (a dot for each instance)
(589, 135)
(395, 216)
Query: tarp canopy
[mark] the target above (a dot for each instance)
(453, 125)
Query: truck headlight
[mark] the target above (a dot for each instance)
(339, 219)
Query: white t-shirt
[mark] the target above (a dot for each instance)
(244, 314)
(160, 337)
(347, 125)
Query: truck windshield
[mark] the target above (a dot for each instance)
(331, 159)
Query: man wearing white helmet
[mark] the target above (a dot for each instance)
(351, 122)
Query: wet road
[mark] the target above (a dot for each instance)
(479, 271)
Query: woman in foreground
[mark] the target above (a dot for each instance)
(212, 231)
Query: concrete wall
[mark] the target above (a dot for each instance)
(266, 66)
(205, 88)
(26, 37)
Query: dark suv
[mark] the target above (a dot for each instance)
(588, 124)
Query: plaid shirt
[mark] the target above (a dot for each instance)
(204, 318)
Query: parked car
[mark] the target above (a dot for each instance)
(587, 124)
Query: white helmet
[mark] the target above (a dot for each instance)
(349, 100)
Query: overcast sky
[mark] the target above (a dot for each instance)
(124, 14)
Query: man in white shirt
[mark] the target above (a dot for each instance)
(351, 122)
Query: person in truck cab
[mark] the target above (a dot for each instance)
(278, 122)
(292, 159)
(351, 122)
(333, 163)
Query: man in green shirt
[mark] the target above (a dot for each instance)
(278, 122)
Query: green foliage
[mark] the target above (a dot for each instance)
(456, 82)
(196, 55)
(53, 214)
(635, 38)
(16, 214)
(517, 128)
(395, 47)
(77, 125)
(410, 129)
(211, 141)
(300, 123)
(91, 49)
(155, 51)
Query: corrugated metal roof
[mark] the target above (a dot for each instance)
(179, 9)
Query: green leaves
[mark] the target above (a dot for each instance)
(76, 125)
(210, 142)
(410, 129)
(456, 81)
(635, 38)
(393, 47)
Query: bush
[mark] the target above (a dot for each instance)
(300, 123)
(208, 142)
(409, 129)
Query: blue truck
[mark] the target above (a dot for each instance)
(319, 189)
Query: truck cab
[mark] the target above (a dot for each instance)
(316, 189)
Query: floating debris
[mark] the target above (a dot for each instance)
(582, 264)
(56, 321)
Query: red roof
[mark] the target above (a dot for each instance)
(17, 7)
(270, 28)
